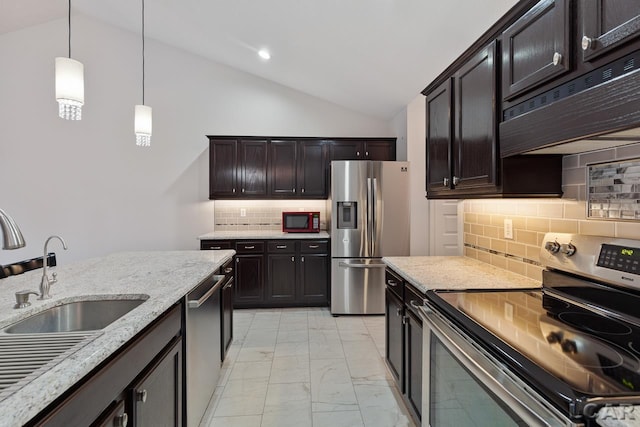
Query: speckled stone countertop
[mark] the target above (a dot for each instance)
(455, 272)
(165, 277)
(261, 234)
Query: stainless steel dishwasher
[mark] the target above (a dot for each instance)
(203, 346)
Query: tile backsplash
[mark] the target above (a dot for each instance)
(484, 237)
(262, 214)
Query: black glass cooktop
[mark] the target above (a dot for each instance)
(594, 355)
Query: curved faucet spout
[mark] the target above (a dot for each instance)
(12, 236)
(45, 283)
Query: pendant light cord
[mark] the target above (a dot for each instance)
(69, 28)
(142, 52)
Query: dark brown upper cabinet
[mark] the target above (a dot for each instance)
(283, 167)
(536, 48)
(462, 155)
(379, 149)
(606, 25)
(237, 168)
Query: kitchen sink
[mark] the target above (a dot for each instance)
(75, 316)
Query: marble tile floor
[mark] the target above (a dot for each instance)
(306, 368)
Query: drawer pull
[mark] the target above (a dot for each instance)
(228, 270)
(281, 246)
(141, 395)
(121, 420)
(216, 247)
(250, 247)
(314, 246)
(392, 283)
(293, 259)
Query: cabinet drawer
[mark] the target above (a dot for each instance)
(216, 244)
(279, 246)
(249, 247)
(413, 296)
(394, 283)
(314, 246)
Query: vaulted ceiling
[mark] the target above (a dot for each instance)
(372, 56)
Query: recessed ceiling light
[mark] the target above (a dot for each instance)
(264, 54)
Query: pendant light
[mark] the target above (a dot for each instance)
(69, 84)
(142, 114)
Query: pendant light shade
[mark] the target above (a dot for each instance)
(142, 125)
(69, 83)
(69, 88)
(142, 122)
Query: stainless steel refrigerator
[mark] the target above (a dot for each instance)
(369, 206)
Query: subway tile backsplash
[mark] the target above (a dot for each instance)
(262, 214)
(484, 218)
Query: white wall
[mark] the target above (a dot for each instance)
(87, 181)
(416, 154)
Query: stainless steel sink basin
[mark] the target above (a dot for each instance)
(75, 316)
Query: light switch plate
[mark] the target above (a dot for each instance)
(243, 212)
(508, 228)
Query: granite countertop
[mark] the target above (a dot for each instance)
(165, 277)
(261, 234)
(455, 272)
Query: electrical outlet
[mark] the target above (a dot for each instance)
(508, 229)
(243, 212)
(508, 311)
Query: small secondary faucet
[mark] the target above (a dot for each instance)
(46, 283)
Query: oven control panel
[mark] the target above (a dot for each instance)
(621, 258)
(608, 259)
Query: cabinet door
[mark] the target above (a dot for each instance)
(249, 281)
(347, 150)
(380, 150)
(413, 362)
(157, 397)
(607, 24)
(313, 171)
(282, 168)
(281, 281)
(253, 171)
(439, 122)
(314, 279)
(474, 143)
(223, 164)
(394, 333)
(535, 49)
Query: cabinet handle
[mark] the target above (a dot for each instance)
(294, 190)
(216, 247)
(314, 246)
(392, 283)
(293, 259)
(121, 420)
(228, 270)
(366, 153)
(250, 247)
(281, 247)
(445, 182)
(302, 259)
(233, 191)
(557, 58)
(405, 319)
(358, 153)
(302, 191)
(456, 180)
(243, 190)
(141, 395)
(399, 312)
(237, 260)
(587, 42)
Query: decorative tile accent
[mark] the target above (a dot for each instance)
(614, 190)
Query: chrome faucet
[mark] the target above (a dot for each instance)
(12, 236)
(46, 283)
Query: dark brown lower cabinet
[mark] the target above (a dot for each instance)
(403, 329)
(278, 273)
(156, 398)
(226, 301)
(149, 365)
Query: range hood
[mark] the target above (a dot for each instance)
(600, 142)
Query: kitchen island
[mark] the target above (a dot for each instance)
(162, 278)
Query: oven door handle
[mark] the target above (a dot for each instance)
(528, 406)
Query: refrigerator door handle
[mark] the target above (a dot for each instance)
(374, 218)
(370, 208)
(347, 265)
